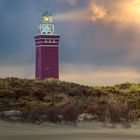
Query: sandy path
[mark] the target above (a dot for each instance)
(10, 131)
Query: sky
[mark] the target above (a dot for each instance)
(100, 39)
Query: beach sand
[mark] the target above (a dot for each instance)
(17, 131)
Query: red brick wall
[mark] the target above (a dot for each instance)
(47, 58)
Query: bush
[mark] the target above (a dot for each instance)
(52, 98)
(71, 113)
(6, 93)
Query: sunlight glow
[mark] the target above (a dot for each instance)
(135, 8)
(126, 12)
(98, 12)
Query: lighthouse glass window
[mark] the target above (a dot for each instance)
(46, 28)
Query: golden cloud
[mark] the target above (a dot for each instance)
(127, 11)
(98, 11)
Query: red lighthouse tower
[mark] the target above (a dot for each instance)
(47, 59)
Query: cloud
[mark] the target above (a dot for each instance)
(24, 71)
(98, 11)
(73, 16)
(124, 12)
(70, 2)
(93, 76)
(120, 13)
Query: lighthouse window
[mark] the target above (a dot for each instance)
(48, 40)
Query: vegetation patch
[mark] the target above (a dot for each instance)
(57, 101)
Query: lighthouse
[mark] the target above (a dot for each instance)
(47, 42)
